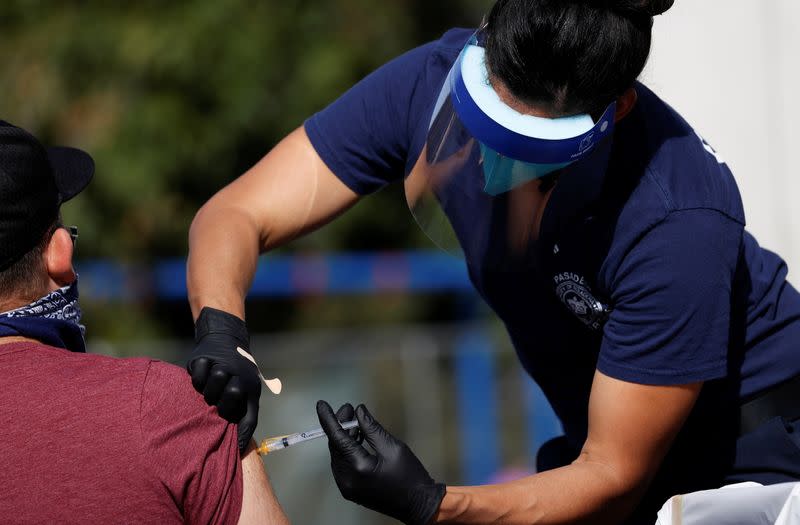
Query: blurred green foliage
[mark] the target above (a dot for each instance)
(175, 99)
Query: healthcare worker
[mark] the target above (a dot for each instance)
(597, 224)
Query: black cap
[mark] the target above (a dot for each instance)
(34, 181)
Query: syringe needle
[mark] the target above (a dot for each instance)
(281, 442)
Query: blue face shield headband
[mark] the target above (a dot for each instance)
(469, 189)
(516, 148)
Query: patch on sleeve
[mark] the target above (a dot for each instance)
(576, 295)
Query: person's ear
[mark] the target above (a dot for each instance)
(625, 104)
(58, 258)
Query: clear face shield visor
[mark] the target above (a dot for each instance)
(472, 187)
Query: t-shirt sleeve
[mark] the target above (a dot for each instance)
(364, 136)
(672, 302)
(189, 449)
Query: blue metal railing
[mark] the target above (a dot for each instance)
(286, 276)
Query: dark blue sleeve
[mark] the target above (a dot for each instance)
(365, 135)
(672, 302)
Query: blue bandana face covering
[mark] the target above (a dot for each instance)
(481, 155)
(53, 320)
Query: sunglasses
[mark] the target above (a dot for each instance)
(72, 230)
(73, 233)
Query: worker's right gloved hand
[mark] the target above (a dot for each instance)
(391, 481)
(222, 372)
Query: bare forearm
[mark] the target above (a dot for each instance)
(223, 256)
(578, 493)
(631, 427)
(288, 193)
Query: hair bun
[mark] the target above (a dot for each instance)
(633, 8)
(647, 8)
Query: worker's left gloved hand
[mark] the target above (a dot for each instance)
(224, 372)
(391, 481)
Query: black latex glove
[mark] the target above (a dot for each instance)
(391, 481)
(226, 378)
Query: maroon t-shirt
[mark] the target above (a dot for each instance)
(94, 439)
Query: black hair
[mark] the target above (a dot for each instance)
(25, 279)
(569, 56)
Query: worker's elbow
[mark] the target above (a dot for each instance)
(221, 212)
(212, 209)
(197, 228)
(202, 215)
(623, 485)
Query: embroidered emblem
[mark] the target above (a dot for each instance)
(576, 295)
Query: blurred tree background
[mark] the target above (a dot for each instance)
(176, 99)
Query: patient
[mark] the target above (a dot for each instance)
(88, 438)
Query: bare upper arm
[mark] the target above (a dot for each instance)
(259, 505)
(632, 426)
(287, 193)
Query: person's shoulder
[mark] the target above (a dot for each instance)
(161, 371)
(139, 376)
(679, 169)
(436, 57)
(122, 369)
(173, 386)
(454, 40)
(168, 399)
(442, 53)
(111, 385)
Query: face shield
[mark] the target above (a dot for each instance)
(473, 187)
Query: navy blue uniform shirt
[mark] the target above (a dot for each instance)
(646, 274)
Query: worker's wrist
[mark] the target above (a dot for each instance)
(452, 507)
(427, 500)
(214, 321)
(226, 300)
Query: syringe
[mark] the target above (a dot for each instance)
(281, 442)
